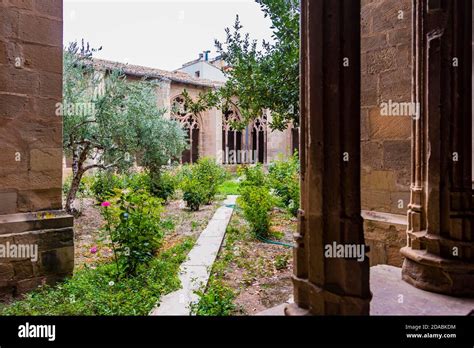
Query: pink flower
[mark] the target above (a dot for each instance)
(105, 204)
(93, 250)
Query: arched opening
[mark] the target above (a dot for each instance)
(190, 124)
(232, 138)
(259, 138)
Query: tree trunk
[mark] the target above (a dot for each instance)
(71, 195)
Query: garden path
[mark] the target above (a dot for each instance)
(195, 272)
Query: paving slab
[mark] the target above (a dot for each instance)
(195, 271)
(393, 296)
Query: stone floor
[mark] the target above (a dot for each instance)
(392, 296)
(195, 272)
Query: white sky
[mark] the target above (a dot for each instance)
(158, 33)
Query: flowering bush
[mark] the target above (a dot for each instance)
(133, 224)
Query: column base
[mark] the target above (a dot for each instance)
(324, 302)
(294, 310)
(35, 248)
(433, 273)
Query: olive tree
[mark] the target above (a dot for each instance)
(108, 121)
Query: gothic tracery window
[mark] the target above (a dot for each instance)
(259, 138)
(231, 138)
(191, 125)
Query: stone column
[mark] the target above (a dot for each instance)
(439, 256)
(31, 213)
(330, 161)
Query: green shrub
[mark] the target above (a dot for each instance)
(105, 185)
(200, 182)
(164, 186)
(252, 175)
(283, 178)
(256, 203)
(217, 300)
(210, 175)
(135, 230)
(97, 292)
(137, 181)
(194, 193)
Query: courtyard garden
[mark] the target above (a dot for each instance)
(132, 235)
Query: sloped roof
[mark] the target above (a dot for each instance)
(153, 73)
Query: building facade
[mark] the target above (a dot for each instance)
(210, 133)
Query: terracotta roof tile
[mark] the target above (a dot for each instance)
(153, 73)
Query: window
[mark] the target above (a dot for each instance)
(191, 125)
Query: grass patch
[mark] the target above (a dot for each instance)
(94, 291)
(229, 187)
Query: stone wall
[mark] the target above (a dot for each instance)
(386, 77)
(31, 146)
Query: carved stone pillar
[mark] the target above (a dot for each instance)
(440, 251)
(330, 163)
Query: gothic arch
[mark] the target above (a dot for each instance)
(191, 124)
(259, 137)
(232, 138)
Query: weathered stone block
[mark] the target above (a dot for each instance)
(383, 180)
(47, 239)
(57, 261)
(43, 58)
(382, 60)
(9, 23)
(50, 85)
(399, 36)
(21, 4)
(49, 159)
(372, 155)
(51, 8)
(3, 53)
(31, 200)
(8, 202)
(23, 269)
(18, 81)
(6, 271)
(374, 42)
(388, 127)
(373, 199)
(14, 106)
(396, 85)
(388, 15)
(396, 154)
(364, 125)
(369, 90)
(40, 30)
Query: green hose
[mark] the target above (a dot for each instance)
(268, 241)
